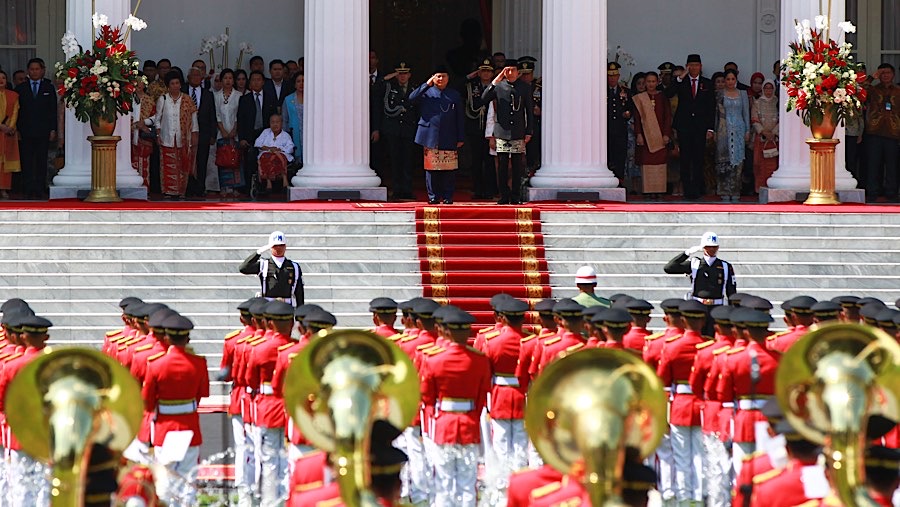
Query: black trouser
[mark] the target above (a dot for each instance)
(376, 158)
(509, 190)
(882, 159)
(400, 150)
(33, 153)
(484, 183)
(617, 151)
(533, 149)
(197, 184)
(692, 143)
(155, 187)
(251, 166)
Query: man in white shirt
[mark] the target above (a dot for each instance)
(206, 125)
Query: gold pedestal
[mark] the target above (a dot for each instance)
(821, 171)
(103, 169)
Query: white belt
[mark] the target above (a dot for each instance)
(266, 389)
(710, 301)
(249, 390)
(504, 380)
(683, 389)
(752, 404)
(179, 409)
(728, 404)
(451, 405)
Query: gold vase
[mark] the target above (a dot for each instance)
(101, 127)
(824, 128)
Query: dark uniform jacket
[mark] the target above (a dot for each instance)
(716, 279)
(285, 282)
(400, 115)
(476, 108)
(514, 108)
(618, 102)
(442, 120)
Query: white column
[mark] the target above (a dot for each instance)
(336, 115)
(517, 29)
(793, 156)
(574, 97)
(77, 171)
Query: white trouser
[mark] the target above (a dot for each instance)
(510, 444)
(180, 490)
(664, 469)
(738, 451)
(717, 471)
(244, 462)
(534, 459)
(253, 447)
(415, 476)
(429, 451)
(456, 470)
(4, 480)
(687, 454)
(487, 452)
(28, 481)
(274, 466)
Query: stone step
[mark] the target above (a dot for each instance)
(193, 266)
(311, 278)
(769, 253)
(359, 252)
(235, 293)
(247, 244)
(745, 268)
(727, 232)
(295, 231)
(710, 220)
(590, 240)
(654, 281)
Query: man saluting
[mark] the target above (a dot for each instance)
(279, 277)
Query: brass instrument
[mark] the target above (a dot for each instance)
(584, 409)
(65, 402)
(337, 387)
(828, 384)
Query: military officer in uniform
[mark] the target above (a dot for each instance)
(619, 109)
(533, 153)
(384, 314)
(280, 278)
(399, 129)
(484, 181)
(513, 129)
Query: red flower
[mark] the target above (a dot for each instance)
(111, 51)
(73, 72)
(830, 82)
(808, 56)
(129, 88)
(82, 92)
(851, 90)
(792, 92)
(61, 90)
(126, 106)
(862, 94)
(101, 44)
(861, 77)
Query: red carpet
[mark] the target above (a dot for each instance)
(468, 254)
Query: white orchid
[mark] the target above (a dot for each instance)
(99, 20)
(223, 39)
(847, 27)
(246, 48)
(69, 44)
(136, 24)
(821, 22)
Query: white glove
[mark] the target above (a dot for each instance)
(264, 249)
(692, 250)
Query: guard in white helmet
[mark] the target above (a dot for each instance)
(712, 279)
(279, 277)
(586, 281)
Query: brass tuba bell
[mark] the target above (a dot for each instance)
(828, 384)
(67, 401)
(583, 411)
(336, 387)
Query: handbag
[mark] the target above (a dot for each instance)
(228, 156)
(150, 134)
(770, 152)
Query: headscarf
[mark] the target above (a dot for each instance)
(762, 95)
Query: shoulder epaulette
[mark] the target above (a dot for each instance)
(14, 356)
(765, 476)
(772, 338)
(425, 346)
(474, 350)
(396, 337)
(233, 334)
(673, 338)
(244, 339)
(546, 489)
(285, 346)
(485, 330)
(701, 346)
(190, 350)
(651, 337)
(113, 332)
(721, 349)
(735, 350)
(492, 334)
(333, 502)
(811, 503)
(301, 488)
(752, 456)
(154, 357)
(258, 341)
(143, 347)
(406, 339)
(553, 340)
(432, 352)
(575, 347)
(528, 338)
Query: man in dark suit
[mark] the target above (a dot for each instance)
(399, 130)
(277, 88)
(254, 111)
(619, 109)
(205, 81)
(376, 114)
(694, 121)
(206, 122)
(37, 127)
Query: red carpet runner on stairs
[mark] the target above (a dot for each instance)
(469, 254)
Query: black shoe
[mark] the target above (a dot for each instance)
(433, 201)
(503, 200)
(448, 201)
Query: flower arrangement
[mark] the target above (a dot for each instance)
(245, 48)
(820, 76)
(208, 45)
(99, 83)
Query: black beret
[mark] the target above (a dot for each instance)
(133, 307)
(739, 314)
(441, 69)
(691, 308)
(736, 298)
(545, 306)
(148, 309)
(12, 317)
(438, 315)
(755, 318)
(722, 314)
(802, 304)
(568, 308)
(458, 319)
(383, 305)
(613, 317)
(622, 303)
(589, 312)
(124, 302)
(709, 294)
(303, 310)
(868, 299)
(786, 305)
(512, 306)
(826, 309)
(639, 307)
(158, 317)
(244, 306)
(322, 318)
(425, 307)
(671, 305)
(407, 306)
(34, 324)
(757, 303)
(878, 426)
(885, 317)
(693, 58)
(178, 325)
(258, 309)
(618, 296)
(279, 310)
(870, 311)
(497, 298)
(847, 301)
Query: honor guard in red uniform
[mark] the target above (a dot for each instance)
(748, 380)
(636, 338)
(849, 308)
(115, 334)
(595, 336)
(826, 311)
(523, 483)
(507, 400)
(684, 415)
(882, 479)
(801, 318)
(139, 367)
(784, 486)
(131, 330)
(455, 382)
(427, 335)
(28, 483)
(384, 314)
(270, 414)
(656, 341)
(533, 345)
(492, 331)
(571, 324)
(614, 323)
(407, 319)
(311, 471)
(142, 337)
(176, 381)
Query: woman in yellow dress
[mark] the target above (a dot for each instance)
(9, 144)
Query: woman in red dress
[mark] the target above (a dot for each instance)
(652, 132)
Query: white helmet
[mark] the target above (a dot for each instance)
(709, 239)
(277, 238)
(585, 274)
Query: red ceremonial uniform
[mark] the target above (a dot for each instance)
(756, 465)
(521, 484)
(553, 347)
(139, 367)
(703, 364)
(782, 488)
(285, 356)
(636, 338)
(735, 385)
(14, 364)
(486, 333)
(385, 331)
(109, 337)
(269, 408)
(655, 344)
(228, 361)
(710, 387)
(308, 474)
(174, 382)
(248, 405)
(459, 375)
(508, 391)
(568, 491)
(411, 343)
(784, 341)
(675, 370)
(530, 353)
(328, 495)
